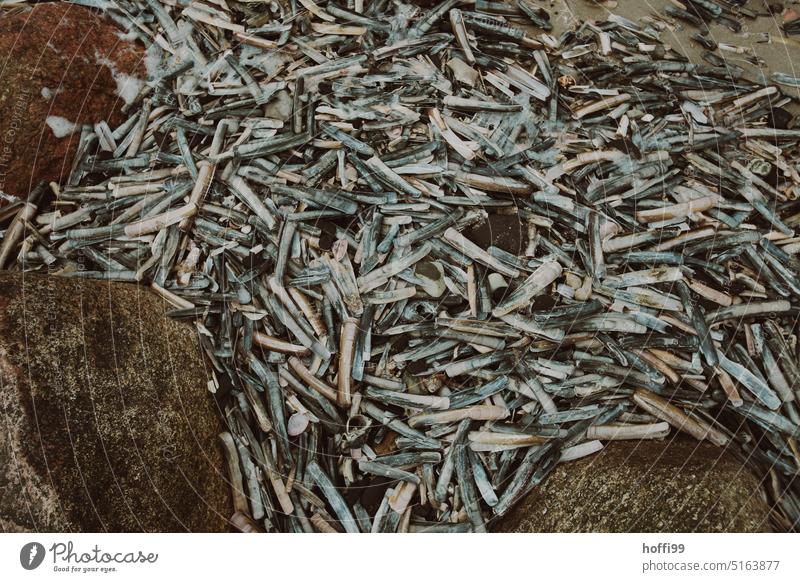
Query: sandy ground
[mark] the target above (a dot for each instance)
(781, 53)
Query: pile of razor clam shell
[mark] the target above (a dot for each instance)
(301, 181)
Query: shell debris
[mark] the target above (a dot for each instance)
(305, 184)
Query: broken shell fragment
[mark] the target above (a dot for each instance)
(297, 424)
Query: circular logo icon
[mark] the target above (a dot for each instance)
(31, 555)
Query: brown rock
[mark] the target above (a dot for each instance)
(677, 485)
(108, 423)
(54, 61)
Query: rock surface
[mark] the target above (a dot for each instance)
(57, 60)
(676, 485)
(108, 423)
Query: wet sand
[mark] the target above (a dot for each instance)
(781, 54)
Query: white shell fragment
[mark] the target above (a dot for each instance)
(297, 424)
